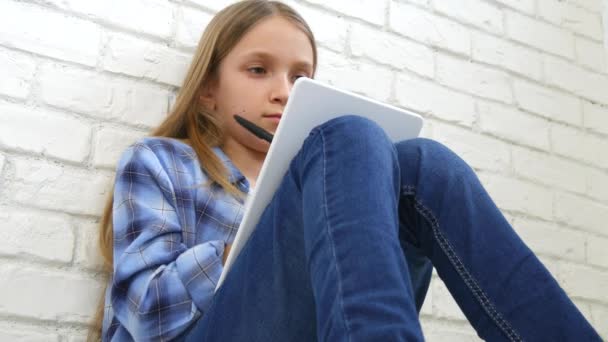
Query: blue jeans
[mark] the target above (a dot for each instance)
(343, 252)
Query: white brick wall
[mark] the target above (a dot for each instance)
(604, 19)
(518, 88)
(18, 72)
(47, 236)
(546, 37)
(502, 53)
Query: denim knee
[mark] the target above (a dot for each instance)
(353, 141)
(353, 130)
(431, 158)
(424, 146)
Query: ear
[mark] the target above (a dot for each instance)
(207, 97)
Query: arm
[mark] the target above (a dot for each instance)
(160, 286)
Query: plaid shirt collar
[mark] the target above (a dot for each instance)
(235, 174)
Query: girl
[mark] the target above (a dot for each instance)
(343, 251)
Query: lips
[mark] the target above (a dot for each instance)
(274, 118)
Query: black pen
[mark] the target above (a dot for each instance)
(253, 128)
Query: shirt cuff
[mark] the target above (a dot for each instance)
(199, 268)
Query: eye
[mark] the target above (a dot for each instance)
(257, 70)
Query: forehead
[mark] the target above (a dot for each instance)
(275, 37)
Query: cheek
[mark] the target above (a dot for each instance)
(227, 101)
(243, 103)
(239, 95)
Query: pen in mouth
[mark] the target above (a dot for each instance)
(253, 128)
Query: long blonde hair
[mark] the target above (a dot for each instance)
(189, 120)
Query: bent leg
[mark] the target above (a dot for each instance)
(325, 260)
(501, 286)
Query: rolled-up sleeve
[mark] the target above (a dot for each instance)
(160, 286)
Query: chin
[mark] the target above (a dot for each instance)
(257, 145)
(263, 149)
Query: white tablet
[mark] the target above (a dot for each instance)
(310, 104)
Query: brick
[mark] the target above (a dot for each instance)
(571, 17)
(51, 186)
(421, 96)
(591, 5)
(581, 212)
(597, 253)
(78, 336)
(479, 151)
(549, 103)
(473, 78)
(49, 33)
(518, 195)
(393, 50)
(2, 160)
(214, 5)
(27, 336)
(428, 28)
(360, 77)
(600, 317)
(513, 125)
(157, 22)
(441, 333)
(487, 17)
(329, 30)
(110, 143)
(444, 305)
(87, 252)
(423, 3)
(597, 184)
(526, 6)
(504, 54)
(565, 75)
(443, 330)
(591, 54)
(102, 96)
(551, 240)
(595, 117)
(579, 145)
(582, 281)
(539, 35)
(549, 170)
(190, 26)
(372, 11)
(43, 132)
(42, 294)
(17, 74)
(25, 233)
(132, 56)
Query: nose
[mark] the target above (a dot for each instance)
(280, 90)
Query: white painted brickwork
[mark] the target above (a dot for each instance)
(519, 88)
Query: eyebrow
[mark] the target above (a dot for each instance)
(266, 55)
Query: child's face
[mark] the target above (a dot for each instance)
(256, 77)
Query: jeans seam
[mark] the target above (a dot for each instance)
(468, 279)
(328, 230)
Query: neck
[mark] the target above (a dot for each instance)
(248, 161)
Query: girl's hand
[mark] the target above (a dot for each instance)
(226, 252)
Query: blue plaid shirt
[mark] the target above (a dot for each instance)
(169, 237)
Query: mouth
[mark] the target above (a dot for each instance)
(274, 117)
